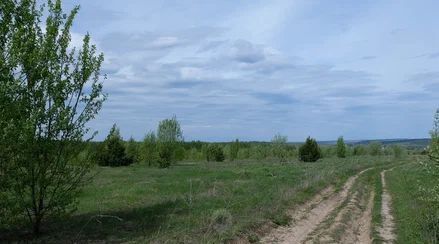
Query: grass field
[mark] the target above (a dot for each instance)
(203, 202)
(414, 218)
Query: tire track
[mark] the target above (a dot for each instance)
(386, 231)
(309, 216)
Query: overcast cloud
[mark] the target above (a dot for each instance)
(250, 69)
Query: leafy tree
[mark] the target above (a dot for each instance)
(310, 151)
(341, 148)
(169, 135)
(48, 93)
(215, 153)
(279, 143)
(169, 131)
(113, 152)
(234, 150)
(149, 149)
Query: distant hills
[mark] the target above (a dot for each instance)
(412, 143)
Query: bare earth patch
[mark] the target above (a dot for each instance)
(386, 231)
(308, 217)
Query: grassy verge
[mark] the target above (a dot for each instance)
(206, 202)
(412, 216)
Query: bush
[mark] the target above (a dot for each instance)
(310, 151)
(375, 148)
(359, 150)
(214, 153)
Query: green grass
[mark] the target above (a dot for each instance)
(142, 204)
(410, 213)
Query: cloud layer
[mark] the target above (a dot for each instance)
(249, 70)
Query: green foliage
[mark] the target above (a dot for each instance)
(169, 131)
(341, 148)
(215, 153)
(279, 143)
(48, 93)
(433, 152)
(132, 151)
(375, 148)
(234, 150)
(310, 151)
(149, 150)
(113, 150)
(166, 154)
(397, 151)
(169, 135)
(180, 153)
(359, 150)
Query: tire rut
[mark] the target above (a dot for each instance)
(308, 217)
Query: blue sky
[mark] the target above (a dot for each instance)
(251, 69)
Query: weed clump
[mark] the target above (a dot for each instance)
(221, 221)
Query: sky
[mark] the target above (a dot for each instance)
(252, 69)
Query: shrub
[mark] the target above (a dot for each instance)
(279, 144)
(341, 148)
(214, 153)
(397, 151)
(310, 151)
(375, 148)
(359, 150)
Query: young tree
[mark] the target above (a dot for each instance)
(341, 148)
(279, 143)
(434, 145)
(132, 150)
(149, 149)
(310, 151)
(169, 135)
(113, 152)
(48, 93)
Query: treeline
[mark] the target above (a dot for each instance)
(166, 146)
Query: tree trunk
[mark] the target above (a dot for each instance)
(37, 225)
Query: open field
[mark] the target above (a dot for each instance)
(203, 202)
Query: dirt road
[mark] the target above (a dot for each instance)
(338, 217)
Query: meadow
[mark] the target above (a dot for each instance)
(206, 202)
